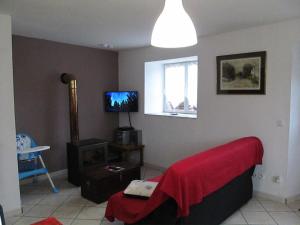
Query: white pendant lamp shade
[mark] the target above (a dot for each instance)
(173, 28)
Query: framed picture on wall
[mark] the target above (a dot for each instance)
(242, 73)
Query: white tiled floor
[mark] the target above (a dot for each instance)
(260, 211)
(71, 209)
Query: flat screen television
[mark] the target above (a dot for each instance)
(121, 101)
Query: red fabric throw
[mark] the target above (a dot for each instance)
(49, 221)
(189, 180)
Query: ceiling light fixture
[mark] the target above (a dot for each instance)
(174, 28)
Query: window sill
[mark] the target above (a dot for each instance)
(180, 115)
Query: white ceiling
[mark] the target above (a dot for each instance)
(128, 23)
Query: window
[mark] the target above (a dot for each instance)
(171, 87)
(180, 87)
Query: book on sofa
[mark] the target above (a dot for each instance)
(140, 189)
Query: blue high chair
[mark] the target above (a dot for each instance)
(28, 151)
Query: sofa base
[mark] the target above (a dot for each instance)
(214, 208)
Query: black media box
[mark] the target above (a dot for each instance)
(127, 137)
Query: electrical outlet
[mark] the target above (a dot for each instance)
(280, 123)
(276, 179)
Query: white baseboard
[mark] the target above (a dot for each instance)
(269, 196)
(293, 198)
(14, 212)
(59, 173)
(276, 198)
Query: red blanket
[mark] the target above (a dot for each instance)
(188, 181)
(49, 221)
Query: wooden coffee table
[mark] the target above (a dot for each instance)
(98, 183)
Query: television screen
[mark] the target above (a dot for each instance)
(121, 101)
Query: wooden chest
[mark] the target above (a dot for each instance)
(99, 183)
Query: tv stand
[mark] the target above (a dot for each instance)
(125, 150)
(125, 128)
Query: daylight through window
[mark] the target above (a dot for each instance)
(180, 87)
(171, 87)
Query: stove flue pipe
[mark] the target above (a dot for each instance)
(70, 80)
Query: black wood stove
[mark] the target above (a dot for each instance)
(85, 153)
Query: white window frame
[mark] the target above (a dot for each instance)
(177, 111)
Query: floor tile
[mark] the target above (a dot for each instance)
(272, 206)
(42, 190)
(26, 208)
(297, 212)
(258, 218)
(93, 204)
(31, 199)
(68, 189)
(25, 189)
(235, 218)
(295, 205)
(40, 211)
(67, 212)
(66, 185)
(86, 222)
(91, 213)
(253, 206)
(38, 188)
(103, 204)
(75, 200)
(76, 191)
(286, 218)
(60, 178)
(54, 199)
(106, 222)
(17, 213)
(28, 220)
(65, 221)
(11, 220)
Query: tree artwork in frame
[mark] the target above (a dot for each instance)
(242, 73)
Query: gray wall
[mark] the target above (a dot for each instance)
(41, 100)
